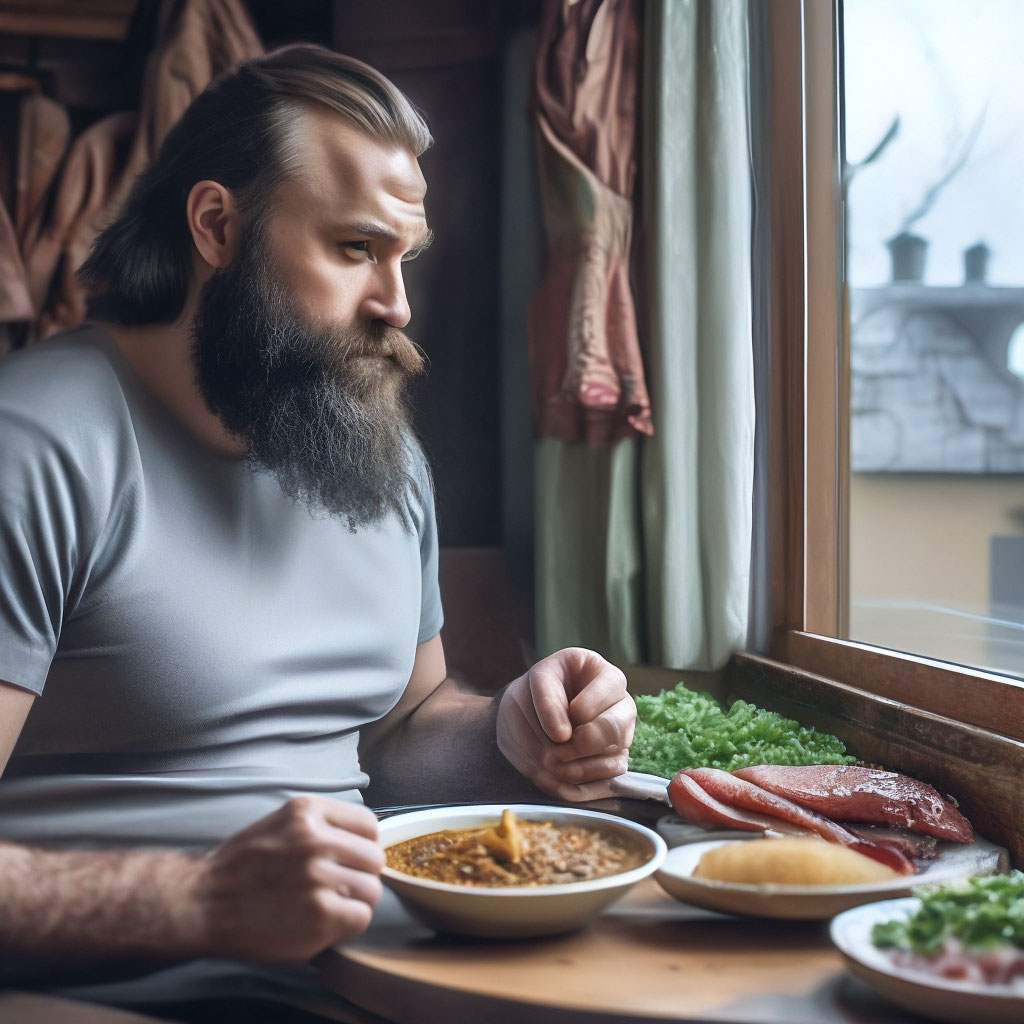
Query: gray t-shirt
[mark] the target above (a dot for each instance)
(203, 647)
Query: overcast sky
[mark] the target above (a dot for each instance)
(939, 65)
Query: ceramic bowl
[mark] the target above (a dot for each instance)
(511, 911)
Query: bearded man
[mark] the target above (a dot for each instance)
(218, 558)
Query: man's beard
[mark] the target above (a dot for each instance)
(318, 406)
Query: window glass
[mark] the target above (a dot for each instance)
(933, 129)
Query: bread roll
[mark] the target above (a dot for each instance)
(790, 861)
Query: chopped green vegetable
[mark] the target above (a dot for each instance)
(980, 913)
(682, 728)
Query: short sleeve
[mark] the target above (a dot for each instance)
(38, 543)
(59, 459)
(431, 612)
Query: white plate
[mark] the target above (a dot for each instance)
(814, 902)
(954, 1001)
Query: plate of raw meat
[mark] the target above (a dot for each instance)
(897, 822)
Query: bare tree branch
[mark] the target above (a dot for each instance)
(954, 168)
(891, 133)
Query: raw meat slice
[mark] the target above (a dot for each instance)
(850, 793)
(731, 790)
(913, 844)
(692, 803)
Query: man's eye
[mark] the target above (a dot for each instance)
(363, 248)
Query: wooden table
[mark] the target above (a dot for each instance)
(647, 958)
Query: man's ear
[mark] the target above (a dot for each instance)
(213, 221)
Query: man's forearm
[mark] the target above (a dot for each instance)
(445, 751)
(64, 914)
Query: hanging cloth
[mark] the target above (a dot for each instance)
(588, 375)
(644, 547)
(40, 137)
(196, 40)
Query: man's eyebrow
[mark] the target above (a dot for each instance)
(374, 230)
(425, 242)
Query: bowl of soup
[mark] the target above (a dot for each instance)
(513, 870)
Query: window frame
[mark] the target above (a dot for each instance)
(809, 405)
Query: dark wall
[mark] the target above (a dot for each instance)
(446, 56)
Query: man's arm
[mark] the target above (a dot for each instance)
(561, 729)
(15, 704)
(279, 891)
(437, 743)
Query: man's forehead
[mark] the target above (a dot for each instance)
(337, 155)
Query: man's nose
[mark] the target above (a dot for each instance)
(386, 299)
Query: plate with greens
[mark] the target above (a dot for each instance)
(953, 952)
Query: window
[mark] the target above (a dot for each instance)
(893, 552)
(930, 115)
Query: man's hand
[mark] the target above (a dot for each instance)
(299, 880)
(279, 891)
(567, 724)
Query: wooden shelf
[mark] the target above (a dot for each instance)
(94, 19)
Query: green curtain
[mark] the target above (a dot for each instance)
(590, 589)
(643, 547)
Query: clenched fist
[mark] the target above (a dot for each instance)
(567, 724)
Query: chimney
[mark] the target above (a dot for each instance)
(907, 254)
(976, 263)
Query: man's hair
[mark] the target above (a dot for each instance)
(243, 131)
